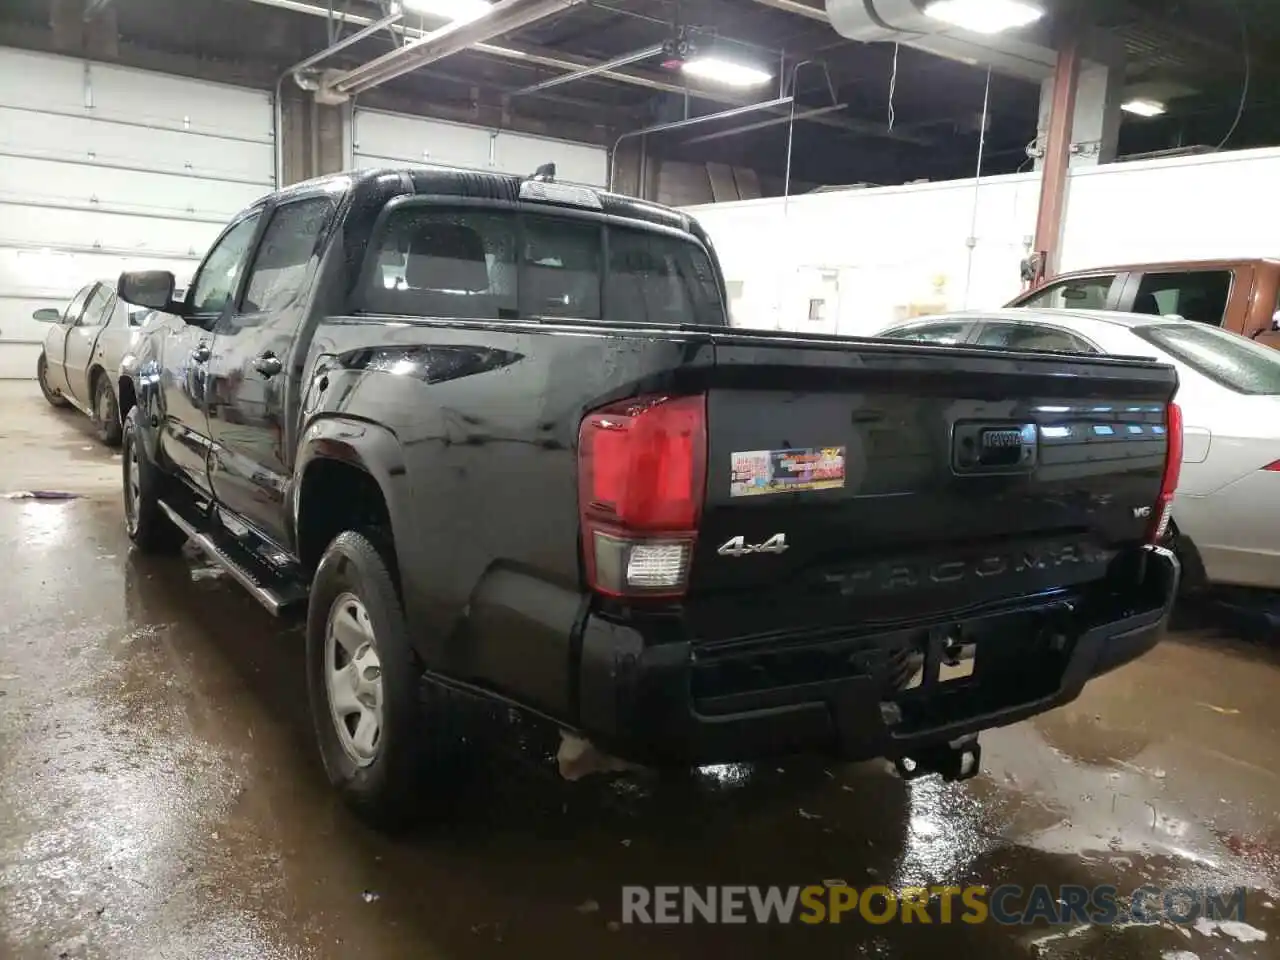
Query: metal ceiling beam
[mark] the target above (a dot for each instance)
(503, 17)
(634, 57)
(572, 64)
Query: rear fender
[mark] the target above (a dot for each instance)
(377, 451)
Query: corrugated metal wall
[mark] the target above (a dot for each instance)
(105, 168)
(382, 139)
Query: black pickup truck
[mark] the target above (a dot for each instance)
(495, 436)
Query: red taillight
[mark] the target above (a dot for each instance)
(641, 473)
(1172, 469)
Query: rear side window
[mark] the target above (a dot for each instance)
(286, 256)
(1083, 293)
(1232, 361)
(1198, 295)
(499, 264)
(1032, 336)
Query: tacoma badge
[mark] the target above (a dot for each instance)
(738, 547)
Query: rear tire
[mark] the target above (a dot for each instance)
(365, 686)
(106, 412)
(147, 525)
(42, 376)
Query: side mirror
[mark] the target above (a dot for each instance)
(147, 288)
(1275, 321)
(48, 315)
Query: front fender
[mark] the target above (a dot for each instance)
(137, 383)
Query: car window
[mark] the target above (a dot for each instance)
(1082, 293)
(76, 306)
(1196, 295)
(97, 309)
(502, 264)
(221, 271)
(287, 255)
(1032, 336)
(1225, 358)
(950, 331)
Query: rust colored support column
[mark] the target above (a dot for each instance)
(1057, 158)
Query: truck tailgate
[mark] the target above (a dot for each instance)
(868, 482)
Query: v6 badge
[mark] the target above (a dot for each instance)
(738, 546)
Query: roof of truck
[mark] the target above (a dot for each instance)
(483, 184)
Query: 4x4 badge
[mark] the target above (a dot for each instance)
(738, 546)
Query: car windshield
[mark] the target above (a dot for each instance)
(1225, 358)
(504, 264)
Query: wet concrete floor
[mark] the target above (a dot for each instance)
(160, 796)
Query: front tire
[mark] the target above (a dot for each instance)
(42, 376)
(145, 522)
(364, 684)
(106, 412)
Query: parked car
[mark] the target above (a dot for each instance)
(1242, 296)
(80, 362)
(1224, 526)
(495, 434)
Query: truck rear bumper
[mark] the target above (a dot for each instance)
(678, 702)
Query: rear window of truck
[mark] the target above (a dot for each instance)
(1225, 358)
(482, 264)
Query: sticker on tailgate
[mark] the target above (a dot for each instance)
(759, 472)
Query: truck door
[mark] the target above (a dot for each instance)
(184, 432)
(252, 393)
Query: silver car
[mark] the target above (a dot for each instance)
(82, 353)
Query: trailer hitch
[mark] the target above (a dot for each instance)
(959, 759)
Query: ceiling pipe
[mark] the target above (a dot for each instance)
(503, 17)
(573, 64)
(634, 57)
(762, 124)
(680, 124)
(395, 16)
(369, 29)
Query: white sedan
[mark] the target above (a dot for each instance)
(1226, 512)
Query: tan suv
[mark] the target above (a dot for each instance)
(1237, 295)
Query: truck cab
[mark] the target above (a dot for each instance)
(1242, 296)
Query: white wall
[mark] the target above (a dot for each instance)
(892, 251)
(881, 254)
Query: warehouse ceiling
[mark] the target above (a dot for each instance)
(1192, 53)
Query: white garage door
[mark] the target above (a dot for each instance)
(104, 168)
(382, 139)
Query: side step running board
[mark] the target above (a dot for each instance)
(278, 597)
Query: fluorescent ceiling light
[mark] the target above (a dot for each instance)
(984, 16)
(1143, 108)
(459, 11)
(725, 71)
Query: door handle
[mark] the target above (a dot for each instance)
(201, 353)
(268, 365)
